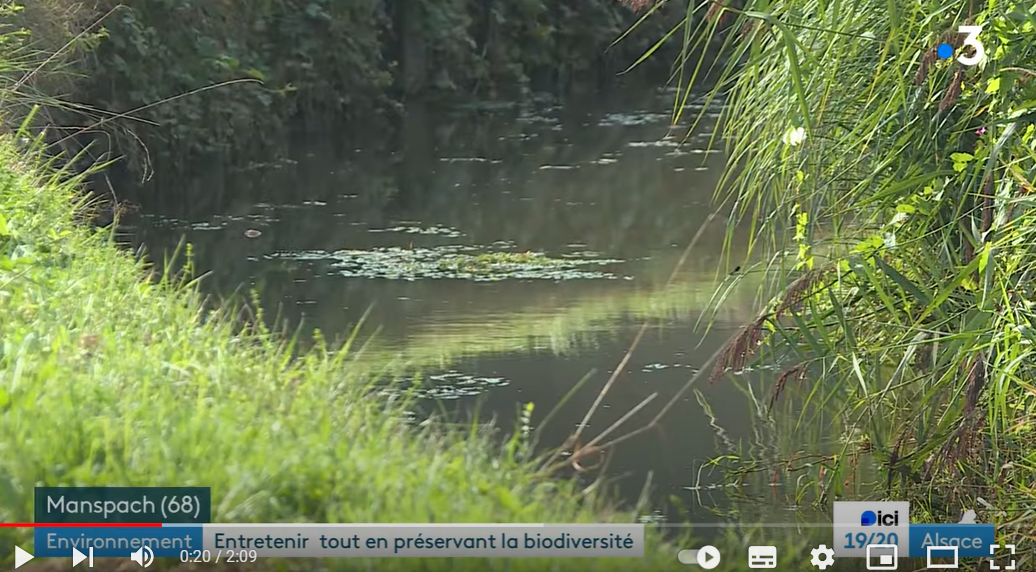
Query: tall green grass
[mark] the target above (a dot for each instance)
(108, 379)
(904, 295)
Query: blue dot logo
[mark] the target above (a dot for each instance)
(945, 51)
(868, 518)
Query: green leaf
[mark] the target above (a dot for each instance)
(904, 283)
(964, 274)
(987, 268)
(961, 160)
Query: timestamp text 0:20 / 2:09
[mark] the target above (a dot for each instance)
(229, 556)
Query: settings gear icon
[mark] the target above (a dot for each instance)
(822, 557)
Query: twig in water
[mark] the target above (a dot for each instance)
(129, 114)
(629, 353)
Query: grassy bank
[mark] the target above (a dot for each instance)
(108, 379)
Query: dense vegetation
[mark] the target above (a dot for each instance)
(113, 375)
(903, 291)
(109, 380)
(317, 60)
(903, 295)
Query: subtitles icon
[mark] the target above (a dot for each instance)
(942, 552)
(882, 556)
(762, 557)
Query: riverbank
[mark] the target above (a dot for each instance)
(115, 380)
(189, 80)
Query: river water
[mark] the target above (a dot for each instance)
(346, 231)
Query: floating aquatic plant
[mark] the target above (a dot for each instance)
(634, 119)
(457, 262)
(430, 230)
(449, 385)
(661, 366)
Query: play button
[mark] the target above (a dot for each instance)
(708, 557)
(21, 557)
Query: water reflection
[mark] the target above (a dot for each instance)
(585, 180)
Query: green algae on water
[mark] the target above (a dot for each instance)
(431, 230)
(449, 385)
(457, 262)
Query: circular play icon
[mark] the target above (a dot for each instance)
(708, 557)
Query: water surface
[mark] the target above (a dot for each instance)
(347, 229)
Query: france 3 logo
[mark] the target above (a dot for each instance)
(975, 53)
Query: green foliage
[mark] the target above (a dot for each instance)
(320, 56)
(214, 77)
(909, 182)
(532, 41)
(58, 37)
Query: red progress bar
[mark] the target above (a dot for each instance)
(74, 525)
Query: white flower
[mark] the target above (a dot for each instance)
(794, 136)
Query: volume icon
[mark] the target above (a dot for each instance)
(143, 556)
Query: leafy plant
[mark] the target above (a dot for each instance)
(193, 78)
(904, 292)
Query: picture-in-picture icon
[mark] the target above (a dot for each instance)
(882, 556)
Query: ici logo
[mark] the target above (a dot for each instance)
(870, 518)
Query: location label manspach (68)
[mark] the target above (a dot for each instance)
(122, 505)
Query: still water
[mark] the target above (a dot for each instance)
(347, 230)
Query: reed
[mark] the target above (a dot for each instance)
(903, 295)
